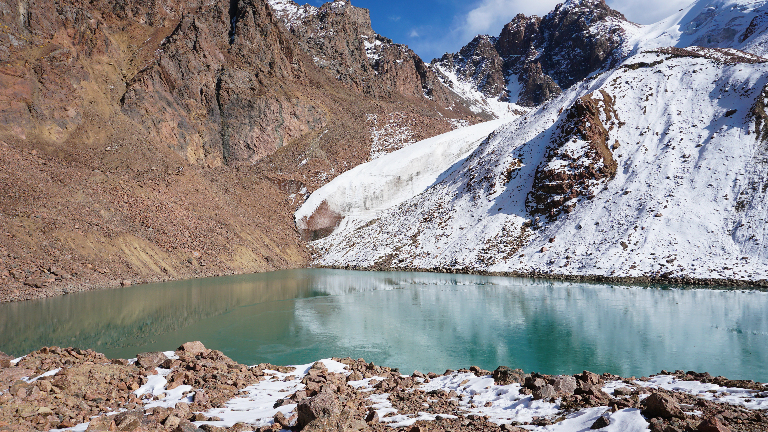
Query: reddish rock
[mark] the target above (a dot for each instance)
(661, 405)
(323, 405)
(712, 424)
(194, 348)
(150, 360)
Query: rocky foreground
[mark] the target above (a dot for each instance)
(195, 388)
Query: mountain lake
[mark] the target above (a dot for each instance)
(413, 321)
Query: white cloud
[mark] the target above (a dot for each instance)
(489, 16)
(413, 33)
(648, 11)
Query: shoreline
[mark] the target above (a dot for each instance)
(196, 389)
(9, 294)
(759, 285)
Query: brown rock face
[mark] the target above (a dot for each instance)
(148, 141)
(579, 159)
(479, 62)
(661, 405)
(537, 87)
(545, 55)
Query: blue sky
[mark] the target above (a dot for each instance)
(433, 27)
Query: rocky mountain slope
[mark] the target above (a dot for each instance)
(170, 139)
(653, 169)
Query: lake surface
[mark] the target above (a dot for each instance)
(413, 321)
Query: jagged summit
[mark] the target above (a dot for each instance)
(541, 56)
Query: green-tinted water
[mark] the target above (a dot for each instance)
(429, 322)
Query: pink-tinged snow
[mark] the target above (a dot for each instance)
(687, 199)
(707, 23)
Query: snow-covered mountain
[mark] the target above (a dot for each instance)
(657, 167)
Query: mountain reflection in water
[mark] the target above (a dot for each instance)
(424, 321)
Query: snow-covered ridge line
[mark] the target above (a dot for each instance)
(739, 24)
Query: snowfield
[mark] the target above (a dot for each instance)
(391, 179)
(687, 198)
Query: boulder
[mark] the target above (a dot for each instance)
(712, 424)
(504, 376)
(102, 424)
(546, 391)
(564, 384)
(661, 405)
(186, 426)
(194, 348)
(601, 422)
(323, 405)
(5, 360)
(150, 360)
(129, 420)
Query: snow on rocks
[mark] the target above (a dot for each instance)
(475, 99)
(209, 391)
(682, 202)
(389, 134)
(739, 24)
(290, 12)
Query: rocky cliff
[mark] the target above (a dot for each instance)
(534, 59)
(167, 139)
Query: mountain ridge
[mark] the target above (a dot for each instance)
(651, 170)
(168, 140)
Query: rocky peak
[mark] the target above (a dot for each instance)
(479, 62)
(580, 37)
(541, 56)
(518, 36)
(339, 38)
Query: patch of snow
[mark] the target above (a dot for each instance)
(712, 392)
(46, 374)
(708, 23)
(476, 100)
(290, 12)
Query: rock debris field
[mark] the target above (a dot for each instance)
(195, 388)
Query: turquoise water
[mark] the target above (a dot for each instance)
(423, 321)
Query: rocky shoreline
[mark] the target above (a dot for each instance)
(660, 279)
(197, 389)
(53, 285)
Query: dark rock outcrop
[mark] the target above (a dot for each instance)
(661, 405)
(542, 56)
(579, 160)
